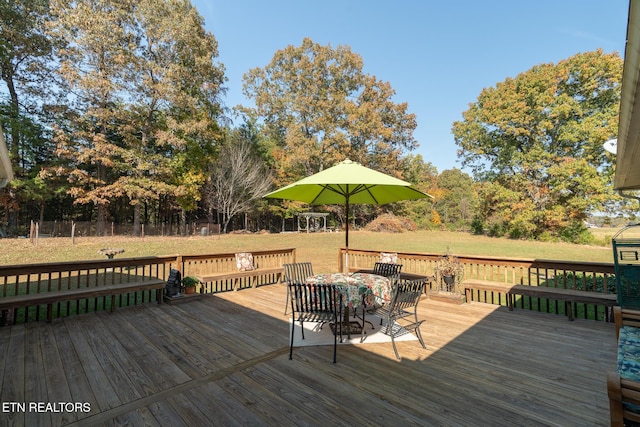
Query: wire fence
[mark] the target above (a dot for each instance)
(73, 229)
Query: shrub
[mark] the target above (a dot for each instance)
(576, 232)
(477, 226)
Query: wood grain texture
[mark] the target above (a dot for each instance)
(223, 360)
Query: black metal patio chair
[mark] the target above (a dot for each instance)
(296, 273)
(315, 303)
(401, 314)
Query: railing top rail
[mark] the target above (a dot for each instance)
(260, 252)
(67, 266)
(8, 270)
(604, 267)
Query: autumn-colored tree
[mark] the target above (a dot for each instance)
(26, 54)
(435, 217)
(25, 51)
(145, 90)
(539, 138)
(319, 106)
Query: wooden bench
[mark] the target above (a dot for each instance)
(487, 286)
(237, 275)
(570, 297)
(51, 297)
(623, 385)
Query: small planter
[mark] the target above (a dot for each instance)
(189, 284)
(450, 282)
(449, 272)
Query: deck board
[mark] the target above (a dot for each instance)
(98, 379)
(57, 383)
(223, 360)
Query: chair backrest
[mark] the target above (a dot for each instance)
(312, 298)
(407, 294)
(297, 272)
(387, 269)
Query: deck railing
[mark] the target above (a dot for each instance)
(194, 265)
(50, 277)
(577, 275)
(46, 277)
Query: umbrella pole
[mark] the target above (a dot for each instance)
(346, 256)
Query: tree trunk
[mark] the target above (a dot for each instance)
(100, 220)
(136, 219)
(227, 220)
(183, 222)
(102, 211)
(14, 148)
(41, 218)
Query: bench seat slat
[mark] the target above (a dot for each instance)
(568, 296)
(235, 275)
(51, 297)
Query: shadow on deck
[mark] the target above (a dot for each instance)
(223, 360)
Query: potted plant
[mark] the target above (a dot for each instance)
(449, 271)
(189, 284)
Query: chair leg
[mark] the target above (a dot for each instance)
(419, 335)
(393, 342)
(417, 330)
(286, 305)
(337, 330)
(293, 327)
(364, 315)
(335, 340)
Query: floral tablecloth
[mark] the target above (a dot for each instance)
(356, 287)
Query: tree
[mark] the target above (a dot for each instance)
(320, 108)
(423, 175)
(459, 200)
(26, 54)
(146, 91)
(237, 178)
(539, 138)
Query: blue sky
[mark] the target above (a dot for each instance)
(437, 56)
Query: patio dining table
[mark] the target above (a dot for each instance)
(357, 289)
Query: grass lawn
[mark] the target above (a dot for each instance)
(320, 248)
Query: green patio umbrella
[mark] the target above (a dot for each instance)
(348, 183)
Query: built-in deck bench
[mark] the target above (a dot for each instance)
(51, 297)
(237, 275)
(623, 385)
(570, 297)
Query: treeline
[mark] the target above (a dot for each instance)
(114, 111)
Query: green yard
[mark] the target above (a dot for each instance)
(320, 248)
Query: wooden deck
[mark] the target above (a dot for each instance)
(223, 360)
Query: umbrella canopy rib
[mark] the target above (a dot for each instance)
(344, 191)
